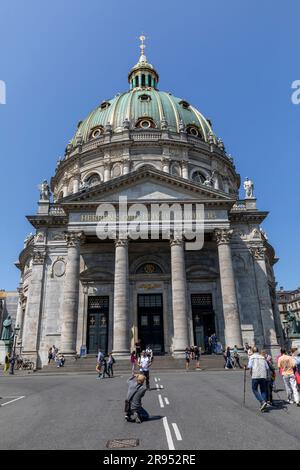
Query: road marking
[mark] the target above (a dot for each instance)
(155, 379)
(161, 386)
(11, 401)
(177, 432)
(161, 401)
(157, 386)
(168, 434)
(158, 378)
(167, 401)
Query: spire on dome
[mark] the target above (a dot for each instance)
(143, 74)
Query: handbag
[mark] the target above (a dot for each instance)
(297, 377)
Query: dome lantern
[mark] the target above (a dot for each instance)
(143, 74)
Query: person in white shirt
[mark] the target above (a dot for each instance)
(145, 363)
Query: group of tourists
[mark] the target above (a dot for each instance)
(105, 365)
(232, 358)
(263, 374)
(190, 354)
(212, 345)
(56, 356)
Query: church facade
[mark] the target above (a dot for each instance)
(80, 290)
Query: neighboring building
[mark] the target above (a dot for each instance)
(8, 306)
(288, 300)
(78, 290)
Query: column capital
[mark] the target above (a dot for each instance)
(74, 239)
(222, 235)
(258, 252)
(121, 242)
(38, 257)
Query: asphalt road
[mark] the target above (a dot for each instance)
(201, 410)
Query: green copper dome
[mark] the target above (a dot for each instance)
(136, 104)
(142, 107)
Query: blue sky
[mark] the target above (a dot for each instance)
(235, 61)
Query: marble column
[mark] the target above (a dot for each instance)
(106, 171)
(121, 297)
(185, 170)
(76, 184)
(126, 166)
(265, 303)
(71, 294)
(233, 335)
(32, 318)
(179, 298)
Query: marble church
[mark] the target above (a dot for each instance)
(78, 291)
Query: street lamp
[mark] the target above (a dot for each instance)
(13, 358)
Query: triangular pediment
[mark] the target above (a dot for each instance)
(148, 184)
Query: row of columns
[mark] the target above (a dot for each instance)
(121, 327)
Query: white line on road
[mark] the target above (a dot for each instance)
(177, 432)
(167, 401)
(158, 378)
(11, 401)
(155, 379)
(161, 401)
(168, 434)
(161, 386)
(157, 386)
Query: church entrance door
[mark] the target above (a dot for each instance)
(97, 327)
(150, 322)
(203, 320)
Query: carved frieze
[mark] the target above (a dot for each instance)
(222, 235)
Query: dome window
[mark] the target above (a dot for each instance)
(145, 98)
(104, 105)
(96, 132)
(145, 123)
(198, 177)
(93, 180)
(194, 130)
(184, 104)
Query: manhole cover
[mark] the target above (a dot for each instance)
(121, 443)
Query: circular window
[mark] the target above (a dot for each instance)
(145, 124)
(96, 133)
(145, 98)
(193, 131)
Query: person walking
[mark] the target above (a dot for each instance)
(136, 390)
(197, 356)
(6, 363)
(50, 357)
(187, 358)
(133, 361)
(110, 365)
(286, 365)
(270, 376)
(145, 364)
(228, 359)
(236, 358)
(100, 361)
(259, 369)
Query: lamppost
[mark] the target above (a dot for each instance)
(13, 358)
(286, 331)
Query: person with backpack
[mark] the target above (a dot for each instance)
(236, 358)
(228, 359)
(133, 405)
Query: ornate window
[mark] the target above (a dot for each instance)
(93, 179)
(149, 268)
(184, 104)
(145, 98)
(104, 105)
(96, 132)
(194, 130)
(145, 123)
(198, 177)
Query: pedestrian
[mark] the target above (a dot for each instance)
(296, 356)
(145, 364)
(133, 361)
(110, 363)
(6, 363)
(270, 376)
(105, 370)
(136, 390)
(50, 357)
(149, 352)
(11, 364)
(99, 366)
(138, 348)
(197, 351)
(187, 358)
(236, 358)
(287, 364)
(258, 369)
(228, 359)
